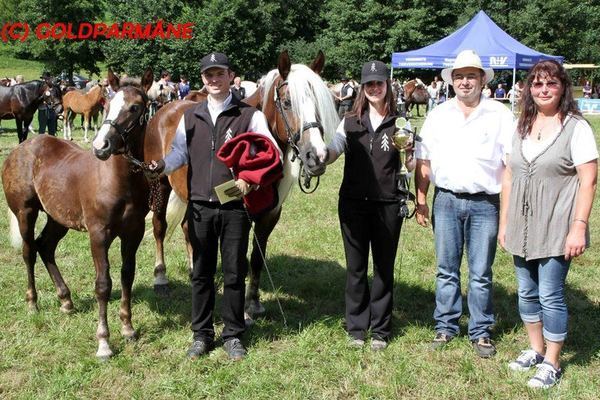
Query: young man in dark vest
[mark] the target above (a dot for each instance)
(345, 98)
(201, 132)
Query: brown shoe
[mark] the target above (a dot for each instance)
(484, 347)
(441, 339)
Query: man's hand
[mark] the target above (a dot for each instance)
(422, 214)
(241, 189)
(155, 168)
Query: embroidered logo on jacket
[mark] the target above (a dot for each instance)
(385, 142)
(228, 135)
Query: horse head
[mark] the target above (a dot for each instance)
(52, 95)
(300, 110)
(126, 117)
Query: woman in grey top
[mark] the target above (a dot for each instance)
(547, 195)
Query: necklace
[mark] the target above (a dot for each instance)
(539, 134)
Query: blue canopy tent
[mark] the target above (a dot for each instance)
(497, 49)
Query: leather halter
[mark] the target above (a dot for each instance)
(294, 137)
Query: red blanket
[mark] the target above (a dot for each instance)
(255, 159)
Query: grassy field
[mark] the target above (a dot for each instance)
(50, 355)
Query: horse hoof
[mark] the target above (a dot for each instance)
(248, 321)
(255, 307)
(32, 308)
(67, 307)
(103, 359)
(132, 337)
(162, 290)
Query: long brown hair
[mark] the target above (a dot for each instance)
(567, 105)
(361, 103)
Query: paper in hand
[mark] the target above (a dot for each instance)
(224, 188)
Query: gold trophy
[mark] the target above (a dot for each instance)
(403, 138)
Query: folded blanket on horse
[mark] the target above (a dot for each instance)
(255, 159)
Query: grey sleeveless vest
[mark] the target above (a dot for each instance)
(542, 198)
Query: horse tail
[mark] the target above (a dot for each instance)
(15, 234)
(176, 208)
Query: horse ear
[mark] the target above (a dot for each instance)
(318, 63)
(113, 80)
(147, 79)
(284, 64)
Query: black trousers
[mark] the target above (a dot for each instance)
(226, 227)
(344, 107)
(369, 224)
(47, 118)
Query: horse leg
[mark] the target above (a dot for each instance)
(100, 243)
(26, 218)
(46, 244)
(129, 245)
(86, 124)
(159, 224)
(262, 229)
(20, 134)
(188, 245)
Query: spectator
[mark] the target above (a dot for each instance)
(237, 90)
(499, 93)
(183, 87)
(345, 97)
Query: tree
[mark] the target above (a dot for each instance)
(60, 55)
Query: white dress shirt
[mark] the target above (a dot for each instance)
(467, 155)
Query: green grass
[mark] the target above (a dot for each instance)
(50, 355)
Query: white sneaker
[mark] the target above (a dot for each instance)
(545, 377)
(526, 360)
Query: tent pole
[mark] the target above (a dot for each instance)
(514, 96)
(392, 72)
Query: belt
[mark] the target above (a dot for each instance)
(466, 195)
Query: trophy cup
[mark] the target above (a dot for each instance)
(403, 137)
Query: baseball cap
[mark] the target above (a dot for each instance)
(374, 71)
(214, 60)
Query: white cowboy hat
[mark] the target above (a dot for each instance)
(464, 59)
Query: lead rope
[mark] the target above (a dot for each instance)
(264, 260)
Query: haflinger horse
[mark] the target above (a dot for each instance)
(98, 192)
(21, 101)
(87, 104)
(299, 109)
(415, 93)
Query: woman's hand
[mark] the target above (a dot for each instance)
(422, 214)
(502, 235)
(575, 243)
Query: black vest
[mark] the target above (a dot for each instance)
(344, 93)
(205, 170)
(372, 163)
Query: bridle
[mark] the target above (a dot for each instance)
(294, 137)
(124, 133)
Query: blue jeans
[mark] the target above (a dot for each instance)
(542, 294)
(459, 221)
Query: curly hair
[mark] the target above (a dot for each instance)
(545, 69)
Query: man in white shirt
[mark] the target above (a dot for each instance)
(202, 130)
(465, 142)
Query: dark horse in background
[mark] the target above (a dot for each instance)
(415, 93)
(96, 192)
(20, 102)
(299, 108)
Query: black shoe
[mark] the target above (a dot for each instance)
(199, 348)
(235, 349)
(484, 347)
(440, 340)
